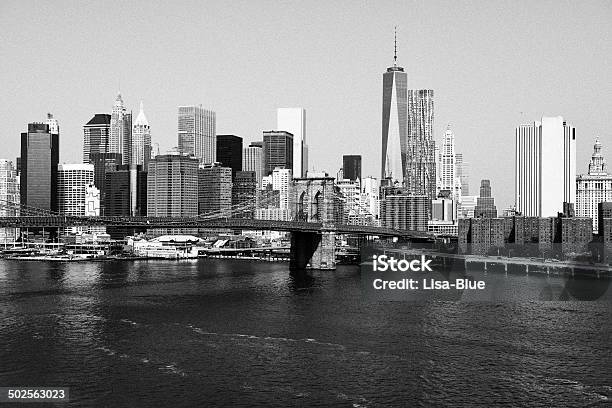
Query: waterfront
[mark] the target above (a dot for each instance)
(219, 332)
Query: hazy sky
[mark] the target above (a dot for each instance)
(492, 65)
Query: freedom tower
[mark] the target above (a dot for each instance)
(394, 122)
(408, 158)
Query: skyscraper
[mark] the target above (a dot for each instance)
(140, 149)
(197, 133)
(172, 186)
(394, 122)
(282, 181)
(370, 191)
(215, 190)
(278, 150)
(96, 134)
(229, 152)
(593, 188)
(252, 160)
(463, 172)
(485, 204)
(448, 166)
(9, 198)
(293, 120)
(120, 138)
(72, 182)
(244, 193)
(351, 167)
(126, 191)
(39, 160)
(545, 167)
(420, 173)
(103, 163)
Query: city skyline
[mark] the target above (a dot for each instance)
(465, 86)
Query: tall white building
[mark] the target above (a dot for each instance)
(197, 133)
(120, 137)
(53, 124)
(282, 181)
(354, 214)
(9, 198)
(593, 188)
(141, 140)
(370, 197)
(545, 167)
(293, 120)
(72, 183)
(252, 160)
(448, 166)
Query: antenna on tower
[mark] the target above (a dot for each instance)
(395, 49)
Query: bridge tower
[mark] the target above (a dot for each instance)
(315, 202)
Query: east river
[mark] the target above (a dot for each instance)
(216, 332)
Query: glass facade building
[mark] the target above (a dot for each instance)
(197, 133)
(278, 150)
(39, 161)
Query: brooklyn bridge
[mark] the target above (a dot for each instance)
(315, 222)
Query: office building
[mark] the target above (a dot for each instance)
(350, 190)
(463, 172)
(370, 197)
(404, 212)
(420, 174)
(485, 204)
(172, 186)
(278, 150)
(467, 206)
(72, 182)
(120, 137)
(126, 191)
(244, 194)
(293, 120)
(197, 133)
(9, 198)
(593, 188)
(448, 178)
(103, 163)
(252, 160)
(140, 149)
(39, 160)
(215, 190)
(394, 123)
(444, 209)
(351, 167)
(229, 152)
(545, 167)
(96, 135)
(282, 181)
(604, 210)
(605, 231)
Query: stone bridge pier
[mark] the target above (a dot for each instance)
(315, 201)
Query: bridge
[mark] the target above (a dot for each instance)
(315, 221)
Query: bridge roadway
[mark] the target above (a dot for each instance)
(57, 221)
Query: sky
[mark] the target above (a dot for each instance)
(492, 66)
